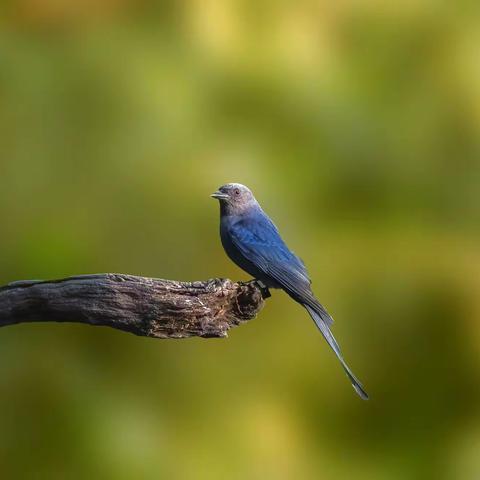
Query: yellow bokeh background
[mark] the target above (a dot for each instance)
(357, 125)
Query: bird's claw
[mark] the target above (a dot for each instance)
(264, 289)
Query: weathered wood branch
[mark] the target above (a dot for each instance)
(143, 306)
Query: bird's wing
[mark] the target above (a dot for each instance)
(259, 242)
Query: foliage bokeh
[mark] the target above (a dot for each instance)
(357, 125)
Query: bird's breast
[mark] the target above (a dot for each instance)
(234, 253)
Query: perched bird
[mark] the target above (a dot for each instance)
(253, 242)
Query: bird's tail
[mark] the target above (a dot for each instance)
(323, 322)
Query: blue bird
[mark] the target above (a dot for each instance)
(253, 242)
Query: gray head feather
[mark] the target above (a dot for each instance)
(235, 198)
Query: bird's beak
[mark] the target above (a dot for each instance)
(219, 195)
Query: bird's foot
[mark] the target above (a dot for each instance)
(264, 289)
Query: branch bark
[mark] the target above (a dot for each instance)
(144, 306)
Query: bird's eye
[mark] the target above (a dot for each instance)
(237, 191)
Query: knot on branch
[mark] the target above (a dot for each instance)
(249, 300)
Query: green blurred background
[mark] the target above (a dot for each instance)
(357, 125)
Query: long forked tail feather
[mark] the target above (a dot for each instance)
(323, 325)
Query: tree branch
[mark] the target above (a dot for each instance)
(144, 306)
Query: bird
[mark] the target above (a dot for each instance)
(253, 242)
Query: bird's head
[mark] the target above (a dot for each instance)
(234, 198)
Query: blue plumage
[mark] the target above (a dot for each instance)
(253, 242)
